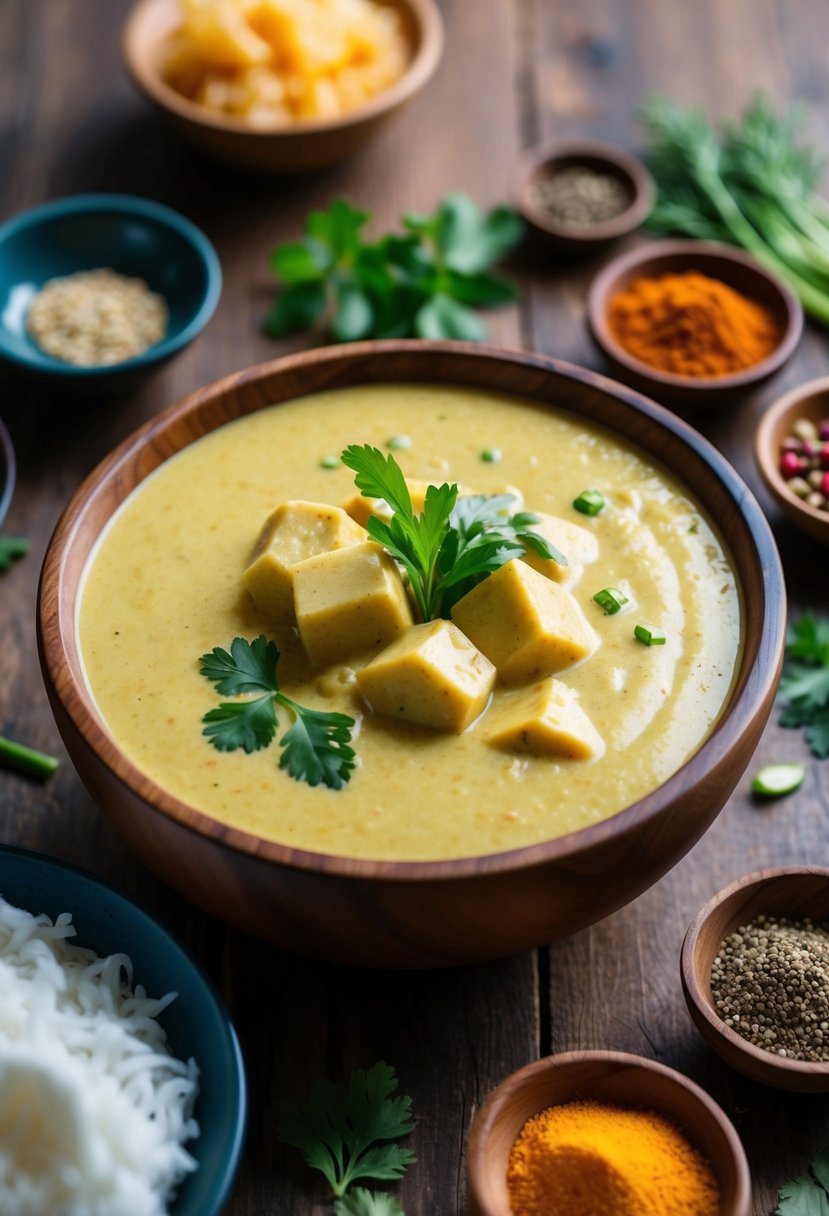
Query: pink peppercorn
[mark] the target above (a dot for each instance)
(824, 485)
(824, 429)
(824, 456)
(790, 464)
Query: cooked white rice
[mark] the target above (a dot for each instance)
(94, 1110)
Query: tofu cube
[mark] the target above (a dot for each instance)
(524, 623)
(295, 531)
(431, 675)
(543, 720)
(578, 545)
(349, 601)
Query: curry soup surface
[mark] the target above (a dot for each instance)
(164, 586)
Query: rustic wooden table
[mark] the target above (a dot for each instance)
(515, 71)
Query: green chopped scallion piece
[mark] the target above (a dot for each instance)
(589, 502)
(330, 462)
(398, 442)
(26, 759)
(649, 635)
(492, 455)
(777, 779)
(611, 599)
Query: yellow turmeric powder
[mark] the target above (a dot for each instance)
(691, 325)
(592, 1159)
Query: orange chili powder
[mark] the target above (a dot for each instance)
(691, 325)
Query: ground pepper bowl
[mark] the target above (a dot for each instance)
(399, 913)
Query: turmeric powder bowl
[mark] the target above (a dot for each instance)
(693, 323)
(667, 1116)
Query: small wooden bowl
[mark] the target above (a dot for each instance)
(604, 1076)
(809, 401)
(722, 262)
(299, 147)
(792, 891)
(540, 163)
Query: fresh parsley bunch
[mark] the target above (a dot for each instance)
(454, 543)
(317, 748)
(805, 682)
(425, 283)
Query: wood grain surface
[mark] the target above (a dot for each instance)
(515, 71)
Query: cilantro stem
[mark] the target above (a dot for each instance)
(26, 759)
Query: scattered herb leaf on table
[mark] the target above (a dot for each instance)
(807, 1195)
(12, 547)
(425, 283)
(361, 1202)
(804, 686)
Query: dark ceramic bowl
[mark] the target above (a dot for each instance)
(721, 262)
(133, 236)
(197, 1024)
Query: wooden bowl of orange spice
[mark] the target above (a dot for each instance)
(604, 1131)
(693, 323)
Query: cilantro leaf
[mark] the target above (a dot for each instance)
(12, 547)
(361, 1202)
(317, 748)
(247, 724)
(249, 667)
(347, 1131)
(298, 307)
(802, 1197)
(444, 317)
(804, 686)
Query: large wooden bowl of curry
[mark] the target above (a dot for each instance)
(416, 913)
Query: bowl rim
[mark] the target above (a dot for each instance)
(534, 159)
(421, 67)
(501, 1097)
(238, 1095)
(600, 290)
(9, 463)
(122, 205)
(756, 677)
(766, 458)
(693, 988)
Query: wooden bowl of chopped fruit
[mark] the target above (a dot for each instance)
(379, 701)
(792, 452)
(285, 89)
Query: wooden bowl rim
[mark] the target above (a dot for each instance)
(710, 252)
(693, 987)
(501, 1096)
(768, 460)
(622, 163)
(755, 678)
(425, 58)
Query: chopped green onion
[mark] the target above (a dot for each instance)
(649, 635)
(397, 442)
(589, 502)
(611, 599)
(491, 455)
(777, 779)
(26, 759)
(330, 462)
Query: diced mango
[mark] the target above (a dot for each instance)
(431, 675)
(578, 545)
(526, 624)
(543, 720)
(294, 532)
(349, 601)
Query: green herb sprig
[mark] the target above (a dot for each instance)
(348, 1132)
(804, 687)
(317, 747)
(454, 543)
(809, 1194)
(425, 283)
(12, 547)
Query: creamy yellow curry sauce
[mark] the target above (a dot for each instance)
(164, 586)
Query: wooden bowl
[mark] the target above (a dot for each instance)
(722, 262)
(280, 149)
(810, 401)
(792, 891)
(542, 163)
(604, 1076)
(425, 913)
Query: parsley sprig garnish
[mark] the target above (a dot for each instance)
(809, 1194)
(348, 1132)
(454, 543)
(425, 283)
(805, 682)
(317, 747)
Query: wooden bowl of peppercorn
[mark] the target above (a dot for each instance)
(757, 958)
(692, 323)
(792, 452)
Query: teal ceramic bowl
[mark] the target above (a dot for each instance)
(196, 1022)
(7, 471)
(133, 236)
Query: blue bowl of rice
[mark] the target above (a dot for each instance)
(108, 1071)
